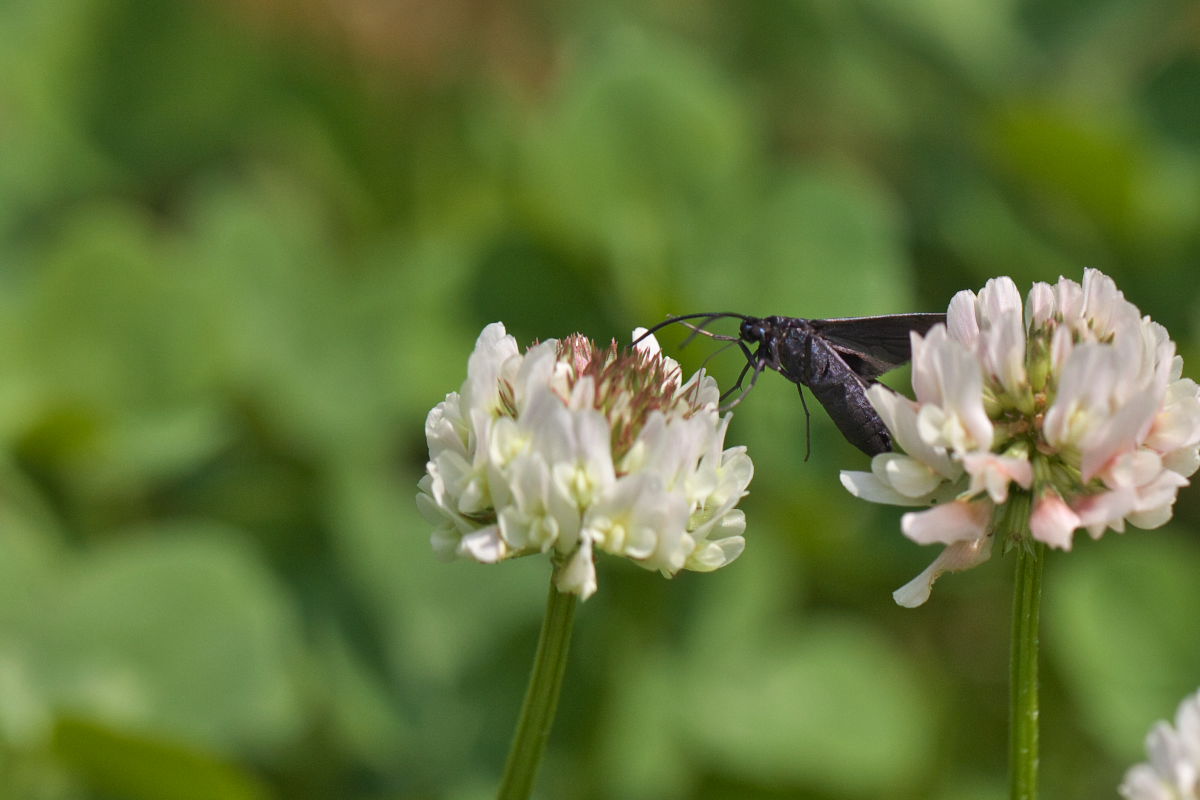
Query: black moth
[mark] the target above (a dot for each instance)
(837, 359)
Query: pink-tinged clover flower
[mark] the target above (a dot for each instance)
(569, 449)
(1074, 400)
(1173, 771)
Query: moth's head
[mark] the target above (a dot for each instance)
(756, 330)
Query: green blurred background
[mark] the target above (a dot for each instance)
(245, 246)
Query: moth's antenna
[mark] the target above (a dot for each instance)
(753, 361)
(709, 317)
(700, 329)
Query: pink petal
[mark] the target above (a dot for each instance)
(1053, 521)
(955, 558)
(1118, 434)
(961, 319)
(953, 522)
(994, 472)
(1040, 305)
(1106, 509)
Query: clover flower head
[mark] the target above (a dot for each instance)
(570, 448)
(1173, 771)
(1072, 399)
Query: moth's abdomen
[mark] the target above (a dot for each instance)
(854, 415)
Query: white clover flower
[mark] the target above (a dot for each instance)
(1173, 772)
(1075, 401)
(570, 448)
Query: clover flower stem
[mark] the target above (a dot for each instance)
(1023, 688)
(541, 697)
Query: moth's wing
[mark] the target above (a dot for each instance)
(872, 346)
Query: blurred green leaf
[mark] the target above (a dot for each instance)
(1121, 629)
(178, 630)
(655, 763)
(824, 242)
(244, 248)
(1086, 165)
(828, 704)
(169, 86)
(982, 40)
(132, 767)
(636, 158)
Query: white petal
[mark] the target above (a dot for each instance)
(729, 525)
(1167, 755)
(715, 554)
(1062, 344)
(964, 399)
(1151, 518)
(434, 513)
(534, 374)
(900, 416)
(1004, 355)
(1002, 347)
(1184, 461)
(578, 575)
(737, 470)
(947, 376)
(1187, 723)
(1143, 783)
(906, 475)
(583, 394)
(1089, 374)
(649, 345)
(1069, 296)
(493, 348)
(867, 486)
(444, 428)
(999, 297)
(484, 545)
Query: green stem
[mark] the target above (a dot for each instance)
(541, 698)
(1023, 687)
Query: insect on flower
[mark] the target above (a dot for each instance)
(837, 359)
(1072, 400)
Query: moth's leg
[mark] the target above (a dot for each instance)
(807, 423)
(737, 385)
(752, 361)
(758, 369)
